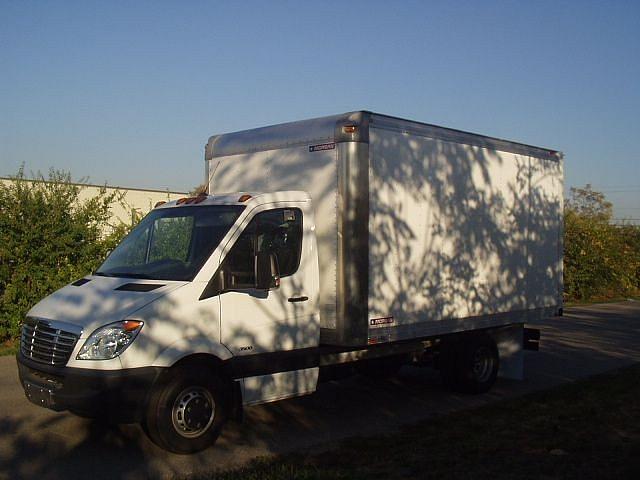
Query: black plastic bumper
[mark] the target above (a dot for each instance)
(117, 395)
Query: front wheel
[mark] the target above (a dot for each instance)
(186, 412)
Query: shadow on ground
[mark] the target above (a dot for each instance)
(36, 443)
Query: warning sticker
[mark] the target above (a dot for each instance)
(381, 321)
(321, 147)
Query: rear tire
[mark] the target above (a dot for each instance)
(187, 410)
(470, 365)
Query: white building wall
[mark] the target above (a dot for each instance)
(131, 199)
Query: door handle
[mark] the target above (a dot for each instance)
(298, 299)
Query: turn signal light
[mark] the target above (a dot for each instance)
(131, 325)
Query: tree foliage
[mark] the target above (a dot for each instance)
(198, 189)
(48, 238)
(601, 260)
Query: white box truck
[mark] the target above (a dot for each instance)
(355, 242)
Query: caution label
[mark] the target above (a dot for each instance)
(322, 147)
(381, 321)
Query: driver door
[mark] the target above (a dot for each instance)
(260, 321)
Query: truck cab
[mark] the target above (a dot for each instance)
(197, 308)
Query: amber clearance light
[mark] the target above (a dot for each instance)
(131, 325)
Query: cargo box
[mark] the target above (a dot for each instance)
(422, 230)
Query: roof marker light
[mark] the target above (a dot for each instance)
(161, 202)
(244, 198)
(201, 197)
(350, 128)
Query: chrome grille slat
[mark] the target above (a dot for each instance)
(33, 354)
(60, 341)
(46, 344)
(48, 350)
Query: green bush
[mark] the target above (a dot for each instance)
(601, 260)
(48, 238)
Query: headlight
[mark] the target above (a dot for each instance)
(109, 341)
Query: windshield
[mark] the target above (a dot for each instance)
(171, 243)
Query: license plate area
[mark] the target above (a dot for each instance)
(39, 395)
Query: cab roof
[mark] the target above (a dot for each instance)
(236, 198)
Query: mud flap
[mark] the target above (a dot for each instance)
(509, 342)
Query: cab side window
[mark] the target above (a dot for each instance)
(274, 231)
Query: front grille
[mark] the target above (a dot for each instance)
(44, 342)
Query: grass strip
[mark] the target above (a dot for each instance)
(10, 347)
(601, 300)
(588, 429)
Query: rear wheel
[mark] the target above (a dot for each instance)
(186, 412)
(470, 365)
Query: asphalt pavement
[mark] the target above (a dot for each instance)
(38, 443)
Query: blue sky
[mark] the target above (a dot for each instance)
(128, 92)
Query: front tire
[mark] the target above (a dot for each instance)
(187, 410)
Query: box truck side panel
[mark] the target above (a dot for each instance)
(544, 281)
(451, 235)
(293, 168)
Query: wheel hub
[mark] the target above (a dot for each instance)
(482, 364)
(193, 412)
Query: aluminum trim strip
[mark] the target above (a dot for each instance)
(353, 244)
(453, 325)
(386, 122)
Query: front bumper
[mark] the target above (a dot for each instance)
(117, 395)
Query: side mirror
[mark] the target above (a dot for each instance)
(267, 273)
